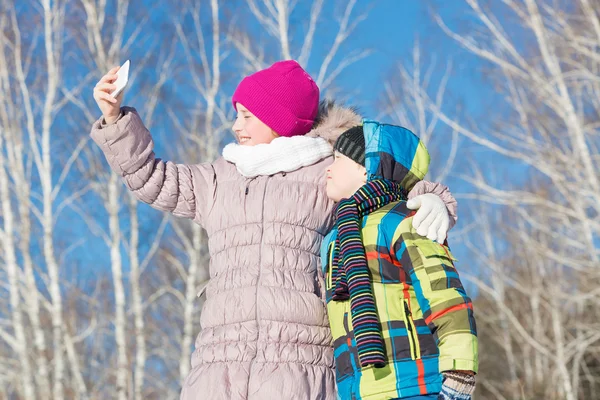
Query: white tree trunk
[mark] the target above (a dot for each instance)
(561, 360)
(14, 280)
(136, 298)
(14, 151)
(51, 21)
(32, 295)
(117, 275)
(75, 366)
(572, 120)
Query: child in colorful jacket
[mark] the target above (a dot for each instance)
(402, 323)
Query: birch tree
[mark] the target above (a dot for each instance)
(27, 119)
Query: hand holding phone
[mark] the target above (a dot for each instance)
(122, 78)
(108, 92)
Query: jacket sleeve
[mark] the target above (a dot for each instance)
(183, 190)
(442, 192)
(446, 308)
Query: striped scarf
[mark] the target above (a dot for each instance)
(350, 271)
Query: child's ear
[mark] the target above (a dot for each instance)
(363, 170)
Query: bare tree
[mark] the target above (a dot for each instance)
(406, 101)
(106, 57)
(273, 16)
(539, 258)
(34, 127)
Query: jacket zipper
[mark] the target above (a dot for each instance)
(411, 332)
(329, 266)
(246, 191)
(256, 313)
(249, 181)
(346, 326)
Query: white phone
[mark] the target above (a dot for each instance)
(122, 78)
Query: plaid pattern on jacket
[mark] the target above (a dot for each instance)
(426, 316)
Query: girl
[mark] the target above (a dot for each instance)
(265, 333)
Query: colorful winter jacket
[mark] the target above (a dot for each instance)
(426, 317)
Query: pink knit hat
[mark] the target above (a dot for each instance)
(283, 96)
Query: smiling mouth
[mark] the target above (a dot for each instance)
(244, 139)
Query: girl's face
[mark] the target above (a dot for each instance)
(249, 130)
(344, 177)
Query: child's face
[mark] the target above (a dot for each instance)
(344, 177)
(249, 130)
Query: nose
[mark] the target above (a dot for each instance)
(237, 126)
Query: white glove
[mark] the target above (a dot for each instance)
(432, 219)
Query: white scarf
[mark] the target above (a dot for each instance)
(283, 154)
